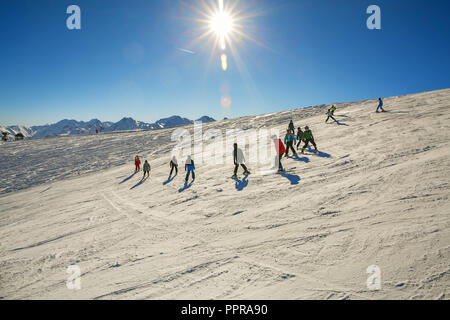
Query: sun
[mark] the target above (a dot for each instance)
(225, 25)
(221, 24)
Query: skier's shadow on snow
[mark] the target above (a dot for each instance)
(397, 112)
(126, 179)
(293, 178)
(302, 159)
(186, 186)
(320, 153)
(323, 154)
(241, 184)
(338, 123)
(138, 184)
(168, 181)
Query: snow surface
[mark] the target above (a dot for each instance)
(378, 194)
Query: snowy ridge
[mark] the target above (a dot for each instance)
(377, 194)
(73, 127)
(13, 130)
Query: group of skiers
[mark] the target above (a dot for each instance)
(146, 168)
(290, 140)
(189, 167)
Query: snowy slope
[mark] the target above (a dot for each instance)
(378, 194)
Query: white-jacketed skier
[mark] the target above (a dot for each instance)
(239, 160)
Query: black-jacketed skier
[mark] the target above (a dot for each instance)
(146, 169)
(290, 140)
(173, 166)
(239, 160)
(291, 126)
(299, 136)
(380, 105)
(330, 114)
(307, 138)
(189, 167)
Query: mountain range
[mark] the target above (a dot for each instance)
(72, 127)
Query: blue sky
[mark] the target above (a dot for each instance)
(125, 60)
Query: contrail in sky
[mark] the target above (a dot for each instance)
(186, 51)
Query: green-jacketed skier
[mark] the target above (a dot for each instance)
(146, 169)
(307, 138)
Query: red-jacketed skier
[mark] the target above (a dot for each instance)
(279, 147)
(137, 163)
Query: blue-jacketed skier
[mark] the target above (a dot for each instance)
(290, 140)
(380, 105)
(189, 167)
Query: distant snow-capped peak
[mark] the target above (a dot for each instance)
(72, 127)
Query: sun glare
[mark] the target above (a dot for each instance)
(225, 25)
(222, 24)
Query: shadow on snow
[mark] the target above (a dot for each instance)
(241, 184)
(319, 153)
(126, 179)
(338, 123)
(186, 186)
(169, 180)
(138, 184)
(293, 178)
(302, 159)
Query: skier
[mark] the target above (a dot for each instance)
(279, 147)
(333, 109)
(291, 126)
(173, 166)
(238, 157)
(290, 140)
(137, 163)
(330, 114)
(380, 105)
(307, 138)
(299, 136)
(189, 167)
(146, 169)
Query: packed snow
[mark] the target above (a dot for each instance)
(377, 194)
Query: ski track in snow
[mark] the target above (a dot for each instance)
(377, 194)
